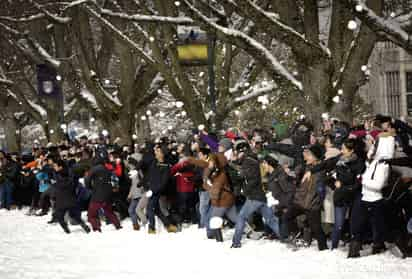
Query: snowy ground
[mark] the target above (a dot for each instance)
(29, 248)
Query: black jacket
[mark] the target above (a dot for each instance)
(282, 187)
(348, 172)
(250, 171)
(99, 180)
(159, 177)
(64, 191)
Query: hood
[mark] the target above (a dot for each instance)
(386, 148)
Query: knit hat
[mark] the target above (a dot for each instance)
(226, 144)
(316, 150)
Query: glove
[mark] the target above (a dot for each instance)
(270, 200)
(149, 194)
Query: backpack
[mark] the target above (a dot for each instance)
(236, 181)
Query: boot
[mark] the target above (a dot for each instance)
(136, 227)
(219, 236)
(171, 229)
(85, 227)
(151, 231)
(65, 228)
(354, 249)
(378, 248)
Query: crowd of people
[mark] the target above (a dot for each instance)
(350, 185)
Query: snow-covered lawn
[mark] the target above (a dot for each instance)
(29, 248)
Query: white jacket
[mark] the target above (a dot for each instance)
(376, 174)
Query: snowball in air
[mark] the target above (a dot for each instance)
(161, 114)
(352, 25)
(63, 126)
(183, 113)
(159, 91)
(201, 74)
(179, 104)
(336, 99)
(151, 39)
(340, 91)
(247, 84)
(325, 116)
(170, 127)
(58, 77)
(237, 112)
(92, 119)
(107, 82)
(105, 133)
(364, 68)
(51, 131)
(143, 117)
(359, 8)
(393, 14)
(134, 137)
(148, 113)
(177, 3)
(264, 107)
(201, 127)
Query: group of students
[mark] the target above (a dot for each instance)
(350, 184)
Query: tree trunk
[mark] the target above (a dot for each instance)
(13, 137)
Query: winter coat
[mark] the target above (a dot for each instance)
(64, 191)
(250, 171)
(44, 176)
(9, 172)
(348, 172)
(136, 189)
(99, 180)
(282, 187)
(212, 143)
(217, 184)
(309, 194)
(159, 177)
(376, 176)
(184, 174)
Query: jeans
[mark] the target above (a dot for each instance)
(132, 210)
(410, 226)
(6, 194)
(340, 214)
(230, 213)
(153, 209)
(247, 210)
(204, 207)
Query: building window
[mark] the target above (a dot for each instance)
(393, 93)
(409, 92)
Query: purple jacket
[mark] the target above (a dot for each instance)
(210, 142)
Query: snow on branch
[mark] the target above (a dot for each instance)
(89, 98)
(42, 52)
(52, 17)
(6, 82)
(263, 55)
(269, 22)
(38, 108)
(254, 92)
(120, 35)
(385, 27)
(148, 18)
(23, 19)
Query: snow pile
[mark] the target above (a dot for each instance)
(29, 248)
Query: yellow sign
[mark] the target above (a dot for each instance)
(192, 53)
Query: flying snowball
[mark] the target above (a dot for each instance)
(58, 77)
(264, 107)
(63, 126)
(359, 8)
(393, 14)
(107, 82)
(183, 113)
(170, 127)
(352, 25)
(201, 127)
(325, 116)
(51, 131)
(143, 117)
(247, 84)
(340, 91)
(177, 3)
(105, 133)
(161, 114)
(134, 137)
(179, 104)
(149, 112)
(364, 68)
(201, 74)
(336, 99)
(92, 119)
(151, 39)
(215, 223)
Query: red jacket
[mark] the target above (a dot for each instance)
(117, 170)
(184, 177)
